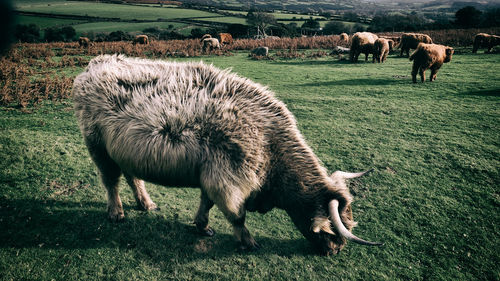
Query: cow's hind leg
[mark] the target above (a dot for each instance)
(201, 219)
(141, 195)
(110, 176)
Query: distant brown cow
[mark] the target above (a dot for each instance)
(84, 42)
(141, 39)
(361, 42)
(225, 38)
(483, 40)
(429, 56)
(344, 37)
(411, 40)
(381, 49)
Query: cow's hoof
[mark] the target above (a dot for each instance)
(148, 208)
(120, 217)
(208, 231)
(242, 247)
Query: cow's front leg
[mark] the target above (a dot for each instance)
(201, 219)
(246, 241)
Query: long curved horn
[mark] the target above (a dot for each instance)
(333, 208)
(347, 175)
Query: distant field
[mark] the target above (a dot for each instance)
(123, 26)
(224, 19)
(126, 12)
(44, 22)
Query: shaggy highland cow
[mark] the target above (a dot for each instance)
(344, 37)
(210, 44)
(483, 40)
(381, 49)
(205, 36)
(141, 39)
(411, 40)
(191, 124)
(361, 42)
(261, 51)
(84, 42)
(429, 56)
(225, 38)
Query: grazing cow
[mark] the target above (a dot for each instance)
(191, 124)
(429, 56)
(483, 40)
(210, 44)
(381, 49)
(361, 42)
(84, 42)
(141, 39)
(344, 37)
(205, 36)
(225, 38)
(411, 40)
(261, 51)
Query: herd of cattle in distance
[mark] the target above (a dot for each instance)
(427, 55)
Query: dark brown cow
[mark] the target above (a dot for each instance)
(484, 40)
(431, 56)
(225, 38)
(141, 39)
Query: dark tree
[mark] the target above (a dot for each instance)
(335, 27)
(260, 20)
(27, 33)
(491, 18)
(238, 30)
(118, 36)
(468, 17)
(311, 24)
(68, 32)
(197, 32)
(58, 34)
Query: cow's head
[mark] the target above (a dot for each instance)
(449, 52)
(327, 225)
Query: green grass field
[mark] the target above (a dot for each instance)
(125, 12)
(433, 197)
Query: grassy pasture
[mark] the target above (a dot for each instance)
(433, 197)
(44, 22)
(123, 26)
(125, 12)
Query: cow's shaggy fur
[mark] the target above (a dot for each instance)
(411, 40)
(191, 124)
(361, 42)
(429, 56)
(344, 37)
(484, 40)
(209, 44)
(205, 36)
(261, 51)
(381, 49)
(225, 38)
(84, 42)
(141, 39)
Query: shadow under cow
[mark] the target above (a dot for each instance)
(54, 224)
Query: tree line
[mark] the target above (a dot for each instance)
(261, 24)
